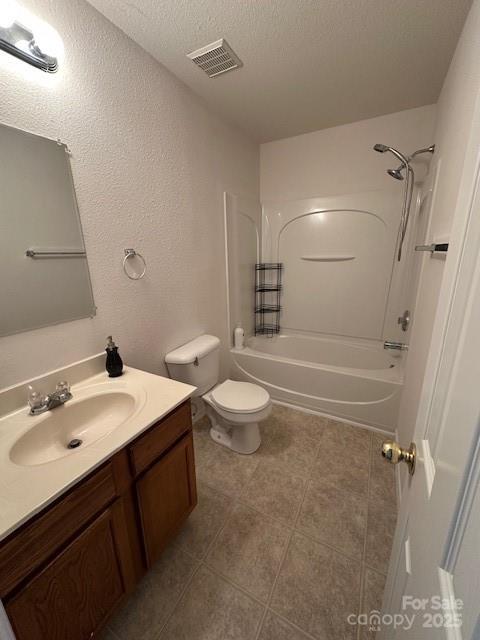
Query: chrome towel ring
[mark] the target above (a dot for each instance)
(131, 253)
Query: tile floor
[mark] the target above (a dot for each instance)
(283, 544)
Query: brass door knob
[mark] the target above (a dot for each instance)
(394, 453)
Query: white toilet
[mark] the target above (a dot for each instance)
(234, 408)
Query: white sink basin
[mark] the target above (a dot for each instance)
(84, 419)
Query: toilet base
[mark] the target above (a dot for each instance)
(239, 437)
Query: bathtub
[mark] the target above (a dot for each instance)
(352, 380)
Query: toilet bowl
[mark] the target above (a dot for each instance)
(233, 408)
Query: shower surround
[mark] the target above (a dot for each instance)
(331, 215)
(341, 289)
(338, 256)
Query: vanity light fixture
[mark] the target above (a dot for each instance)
(20, 42)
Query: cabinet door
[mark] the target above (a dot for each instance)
(75, 593)
(166, 495)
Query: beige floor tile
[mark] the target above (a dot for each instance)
(202, 453)
(202, 441)
(344, 457)
(202, 425)
(275, 492)
(224, 470)
(154, 599)
(274, 628)
(204, 522)
(346, 434)
(290, 444)
(343, 472)
(317, 589)
(249, 551)
(310, 424)
(382, 476)
(335, 517)
(212, 609)
(381, 521)
(373, 587)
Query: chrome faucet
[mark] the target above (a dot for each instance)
(39, 403)
(396, 346)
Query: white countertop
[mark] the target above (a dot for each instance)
(26, 490)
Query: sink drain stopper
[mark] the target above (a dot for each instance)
(73, 444)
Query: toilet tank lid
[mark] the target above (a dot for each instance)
(197, 348)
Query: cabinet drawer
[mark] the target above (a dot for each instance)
(29, 547)
(150, 446)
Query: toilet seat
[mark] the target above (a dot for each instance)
(240, 397)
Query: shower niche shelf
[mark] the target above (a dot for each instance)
(329, 258)
(268, 287)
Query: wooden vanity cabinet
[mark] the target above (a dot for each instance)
(165, 485)
(172, 478)
(64, 572)
(74, 594)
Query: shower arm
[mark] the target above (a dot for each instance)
(430, 149)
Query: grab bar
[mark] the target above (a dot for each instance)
(441, 247)
(53, 253)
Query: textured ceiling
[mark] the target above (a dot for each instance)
(308, 64)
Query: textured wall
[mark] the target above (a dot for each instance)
(150, 164)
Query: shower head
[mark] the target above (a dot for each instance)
(382, 148)
(396, 173)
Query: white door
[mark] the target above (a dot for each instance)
(433, 585)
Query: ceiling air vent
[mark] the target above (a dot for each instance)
(216, 58)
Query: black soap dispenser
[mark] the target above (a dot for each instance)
(114, 364)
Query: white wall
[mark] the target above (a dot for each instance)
(455, 111)
(341, 160)
(150, 165)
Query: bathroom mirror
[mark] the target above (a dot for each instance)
(44, 277)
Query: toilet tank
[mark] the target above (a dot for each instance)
(196, 363)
